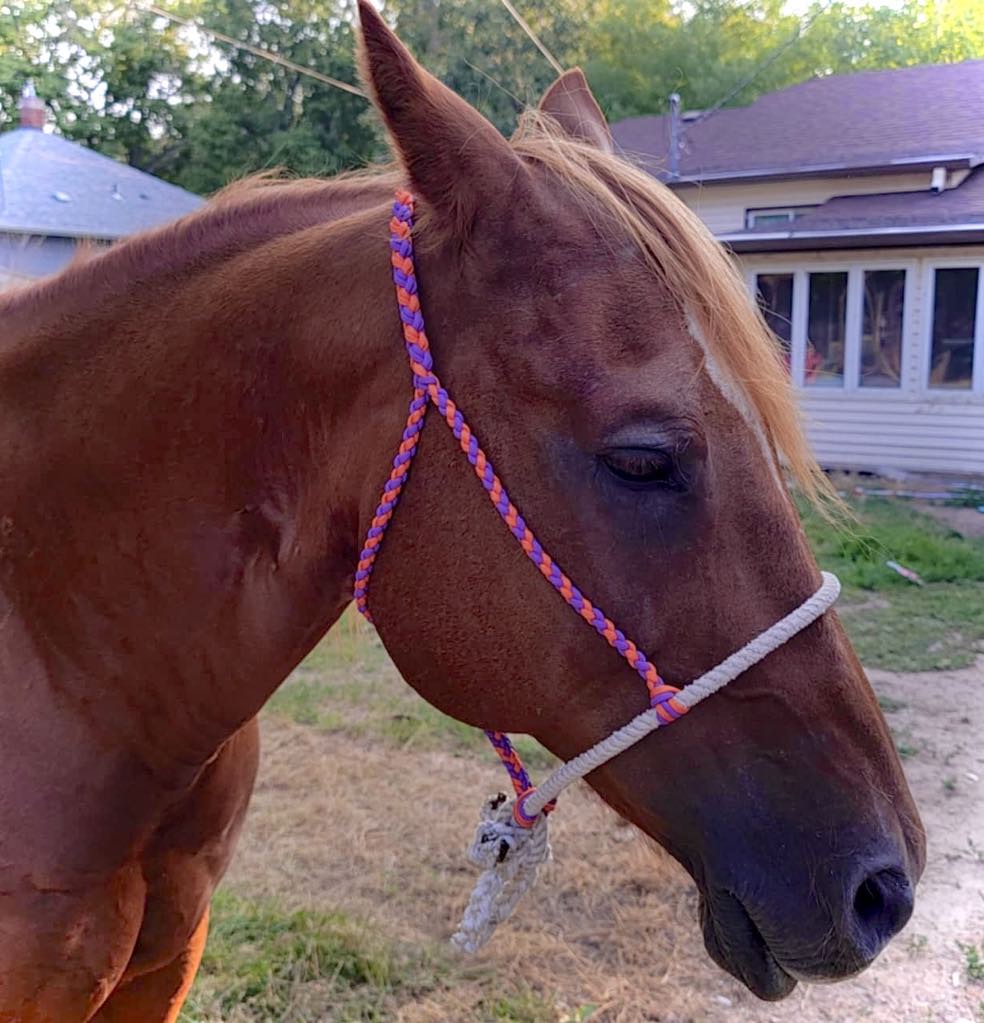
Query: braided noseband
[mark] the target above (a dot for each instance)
(511, 841)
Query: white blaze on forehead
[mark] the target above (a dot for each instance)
(732, 391)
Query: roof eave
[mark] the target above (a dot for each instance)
(854, 238)
(45, 231)
(952, 161)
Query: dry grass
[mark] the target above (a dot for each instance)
(339, 823)
(351, 876)
(399, 867)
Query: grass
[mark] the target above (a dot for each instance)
(268, 964)
(348, 685)
(973, 962)
(893, 623)
(526, 1006)
(264, 963)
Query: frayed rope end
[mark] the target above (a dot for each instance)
(510, 858)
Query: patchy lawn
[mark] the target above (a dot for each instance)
(264, 962)
(894, 623)
(332, 915)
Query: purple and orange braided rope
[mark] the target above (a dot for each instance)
(427, 390)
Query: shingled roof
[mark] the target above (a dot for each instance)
(930, 115)
(56, 188)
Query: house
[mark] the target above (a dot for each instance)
(55, 194)
(854, 205)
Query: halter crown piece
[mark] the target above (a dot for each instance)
(511, 841)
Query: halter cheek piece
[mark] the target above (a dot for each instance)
(511, 841)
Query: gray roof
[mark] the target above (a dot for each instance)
(915, 116)
(52, 187)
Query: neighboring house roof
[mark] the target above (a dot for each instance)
(52, 187)
(929, 115)
(898, 218)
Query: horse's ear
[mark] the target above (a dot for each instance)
(569, 101)
(456, 160)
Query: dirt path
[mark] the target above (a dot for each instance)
(338, 824)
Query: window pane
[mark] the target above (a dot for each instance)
(764, 219)
(954, 315)
(881, 328)
(825, 330)
(775, 299)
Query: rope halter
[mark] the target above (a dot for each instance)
(511, 841)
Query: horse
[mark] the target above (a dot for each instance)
(195, 426)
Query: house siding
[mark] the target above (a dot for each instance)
(912, 427)
(722, 206)
(27, 257)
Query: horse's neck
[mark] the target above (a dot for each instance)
(186, 472)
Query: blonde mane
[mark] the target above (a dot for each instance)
(698, 271)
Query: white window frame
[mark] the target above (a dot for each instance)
(790, 212)
(929, 299)
(855, 270)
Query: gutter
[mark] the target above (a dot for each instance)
(860, 237)
(952, 161)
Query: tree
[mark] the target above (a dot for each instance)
(162, 98)
(476, 48)
(116, 79)
(260, 115)
(171, 100)
(711, 51)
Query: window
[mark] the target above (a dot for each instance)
(954, 327)
(826, 331)
(776, 217)
(881, 328)
(775, 299)
(843, 325)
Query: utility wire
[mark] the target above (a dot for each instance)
(801, 30)
(257, 51)
(521, 21)
(300, 69)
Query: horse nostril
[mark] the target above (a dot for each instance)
(882, 906)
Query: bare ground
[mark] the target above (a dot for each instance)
(339, 823)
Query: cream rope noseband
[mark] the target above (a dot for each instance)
(511, 841)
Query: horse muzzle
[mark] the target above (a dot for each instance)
(773, 943)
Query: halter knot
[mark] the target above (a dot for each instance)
(521, 817)
(663, 699)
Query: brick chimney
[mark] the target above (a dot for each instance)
(32, 110)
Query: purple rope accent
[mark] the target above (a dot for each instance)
(510, 760)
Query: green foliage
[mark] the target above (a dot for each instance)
(967, 497)
(893, 623)
(265, 963)
(477, 48)
(166, 99)
(525, 1006)
(173, 101)
(889, 530)
(927, 628)
(973, 962)
(712, 50)
(258, 115)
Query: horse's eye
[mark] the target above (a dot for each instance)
(641, 467)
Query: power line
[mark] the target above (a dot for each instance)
(801, 30)
(521, 21)
(257, 51)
